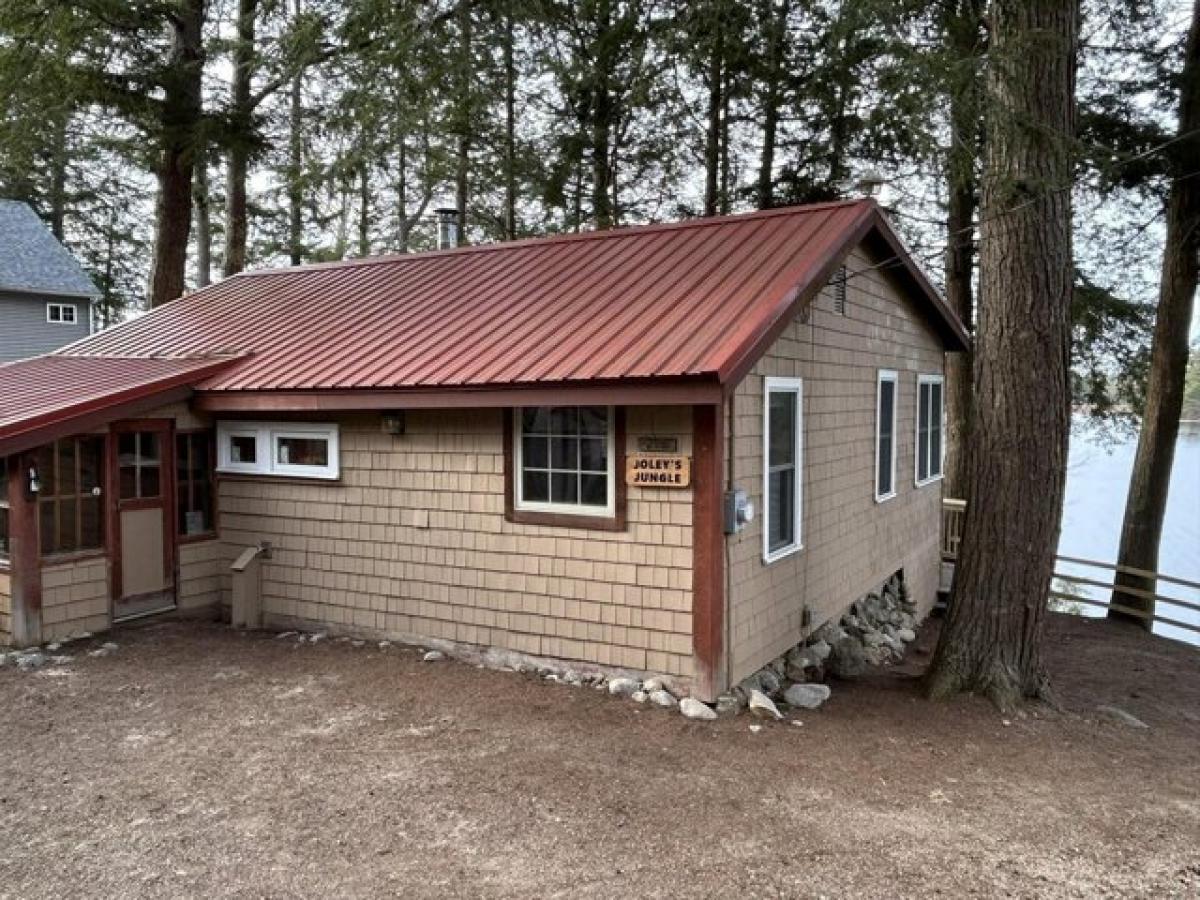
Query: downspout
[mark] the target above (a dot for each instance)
(726, 629)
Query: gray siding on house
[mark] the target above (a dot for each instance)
(24, 330)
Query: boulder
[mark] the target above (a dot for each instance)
(694, 709)
(762, 706)
(906, 634)
(873, 638)
(34, 660)
(820, 650)
(848, 659)
(639, 696)
(651, 685)
(433, 656)
(623, 687)
(729, 704)
(663, 698)
(767, 681)
(806, 696)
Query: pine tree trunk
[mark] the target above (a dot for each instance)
(200, 210)
(1017, 446)
(1146, 503)
(463, 101)
(510, 128)
(180, 120)
(963, 26)
(58, 177)
(364, 209)
(238, 163)
(295, 167)
(777, 20)
(712, 134)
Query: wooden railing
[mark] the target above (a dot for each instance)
(954, 512)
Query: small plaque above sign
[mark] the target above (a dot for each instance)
(658, 470)
(651, 444)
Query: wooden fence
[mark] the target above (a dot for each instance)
(1100, 575)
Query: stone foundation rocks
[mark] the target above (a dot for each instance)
(874, 631)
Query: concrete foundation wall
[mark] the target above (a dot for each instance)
(851, 543)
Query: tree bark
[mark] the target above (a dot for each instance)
(463, 102)
(179, 124)
(1146, 502)
(777, 23)
(295, 168)
(238, 157)
(200, 209)
(964, 40)
(712, 136)
(1017, 446)
(510, 127)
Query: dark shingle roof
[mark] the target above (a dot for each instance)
(32, 259)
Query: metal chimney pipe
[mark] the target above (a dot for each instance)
(447, 227)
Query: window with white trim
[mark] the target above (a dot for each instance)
(931, 420)
(289, 449)
(885, 435)
(782, 462)
(62, 313)
(565, 460)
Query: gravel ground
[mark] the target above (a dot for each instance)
(195, 761)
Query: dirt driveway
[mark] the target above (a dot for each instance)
(195, 761)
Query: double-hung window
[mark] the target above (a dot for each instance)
(782, 445)
(885, 435)
(565, 460)
(930, 424)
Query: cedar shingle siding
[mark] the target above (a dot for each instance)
(851, 543)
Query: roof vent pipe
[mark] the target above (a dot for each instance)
(447, 227)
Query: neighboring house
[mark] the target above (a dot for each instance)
(45, 296)
(546, 446)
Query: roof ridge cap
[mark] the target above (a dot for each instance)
(610, 233)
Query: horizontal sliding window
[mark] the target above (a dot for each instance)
(290, 449)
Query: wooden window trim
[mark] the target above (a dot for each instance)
(212, 533)
(83, 552)
(617, 522)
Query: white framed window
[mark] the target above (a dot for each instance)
(783, 447)
(885, 434)
(565, 459)
(62, 313)
(931, 424)
(290, 449)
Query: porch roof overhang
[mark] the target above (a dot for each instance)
(49, 397)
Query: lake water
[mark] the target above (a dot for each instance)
(1097, 480)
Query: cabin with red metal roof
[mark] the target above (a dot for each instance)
(673, 449)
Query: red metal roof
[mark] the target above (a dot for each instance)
(697, 299)
(46, 395)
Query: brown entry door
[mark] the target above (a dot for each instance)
(145, 549)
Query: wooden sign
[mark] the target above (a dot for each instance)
(653, 444)
(653, 470)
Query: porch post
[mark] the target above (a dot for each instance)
(23, 554)
(708, 550)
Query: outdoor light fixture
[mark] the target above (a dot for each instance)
(35, 482)
(393, 422)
